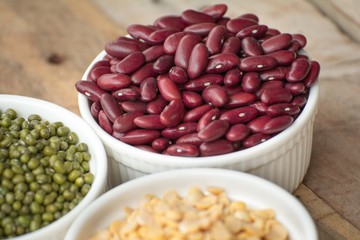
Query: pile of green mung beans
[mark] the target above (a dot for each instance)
(44, 172)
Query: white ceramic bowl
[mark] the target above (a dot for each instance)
(254, 191)
(25, 106)
(283, 159)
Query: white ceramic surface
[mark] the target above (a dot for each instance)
(284, 159)
(25, 106)
(254, 191)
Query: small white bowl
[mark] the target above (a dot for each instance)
(254, 191)
(24, 106)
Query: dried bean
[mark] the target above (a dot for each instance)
(260, 106)
(110, 106)
(194, 115)
(130, 106)
(240, 99)
(278, 73)
(148, 89)
(256, 31)
(160, 144)
(90, 90)
(125, 122)
(217, 147)
(283, 57)
(130, 63)
(144, 72)
(277, 124)
(168, 89)
(299, 69)
(250, 16)
(233, 77)
(191, 99)
(215, 95)
(183, 149)
(121, 49)
(251, 46)
(282, 109)
(239, 115)
(201, 29)
(256, 125)
(233, 90)
(299, 100)
(191, 138)
(163, 63)
(139, 31)
(257, 63)
(237, 132)
(149, 122)
(269, 84)
(275, 95)
(301, 39)
(255, 139)
(272, 32)
(97, 72)
(178, 75)
(95, 108)
(207, 118)
(214, 130)
(154, 52)
(156, 106)
(179, 130)
(231, 45)
(170, 21)
(203, 81)
(173, 113)
(223, 21)
(215, 39)
(104, 122)
(113, 81)
(198, 60)
(237, 24)
(192, 17)
(216, 11)
(295, 88)
(222, 62)
(184, 49)
(171, 43)
(294, 46)
(277, 42)
(142, 45)
(159, 36)
(251, 82)
(126, 94)
(313, 74)
(140, 136)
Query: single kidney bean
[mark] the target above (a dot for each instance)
(260, 106)
(275, 95)
(151, 121)
(113, 81)
(214, 130)
(269, 84)
(171, 42)
(250, 16)
(194, 115)
(163, 63)
(192, 17)
(272, 32)
(191, 99)
(313, 74)
(282, 109)
(278, 73)
(142, 73)
(237, 24)
(255, 31)
(298, 70)
(255, 139)
(159, 36)
(170, 21)
(97, 72)
(126, 94)
(251, 82)
(203, 81)
(173, 113)
(184, 49)
(178, 74)
(140, 31)
(256, 125)
(110, 106)
(232, 90)
(300, 38)
(95, 108)
(198, 60)
(216, 11)
(179, 130)
(231, 45)
(146, 148)
(160, 144)
(130, 63)
(257, 63)
(183, 150)
(156, 106)
(277, 124)
(283, 57)
(201, 29)
(148, 89)
(130, 106)
(217, 147)
(295, 88)
(140, 136)
(168, 89)
(294, 46)
(90, 90)
(233, 77)
(154, 52)
(251, 46)
(239, 115)
(125, 123)
(120, 48)
(237, 132)
(299, 100)
(191, 138)
(222, 62)
(207, 118)
(277, 42)
(215, 95)
(104, 122)
(215, 39)
(142, 45)
(240, 99)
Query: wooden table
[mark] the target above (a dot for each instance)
(45, 46)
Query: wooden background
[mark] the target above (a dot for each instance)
(45, 46)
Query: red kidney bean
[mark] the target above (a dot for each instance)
(260, 106)
(198, 60)
(121, 49)
(232, 90)
(251, 46)
(146, 148)
(194, 115)
(179, 130)
(203, 81)
(97, 72)
(223, 21)
(277, 42)
(126, 94)
(300, 38)
(191, 138)
(163, 63)
(313, 74)
(192, 17)
(256, 31)
(170, 21)
(125, 123)
(222, 62)
(168, 89)
(269, 84)
(154, 52)
(239, 115)
(216, 11)
(130, 106)
(277, 124)
(215, 39)
(130, 63)
(159, 36)
(257, 63)
(217, 147)
(273, 31)
(215, 95)
(201, 29)
(207, 118)
(250, 16)
(282, 109)
(255, 139)
(256, 125)
(115, 61)
(171, 43)
(113, 81)
(299, 69)
(191, 99)
(156, 106)
(294, 46)
(237, 24)
(295, 88)
(275, 95)
(148, 89)
(237, 132)
(160, 144)
(173, 113)
(233, 77)
(283, 57)
(178, 74)
(142, 73)
(104, 122)
(299, 100)
(149, 122)
(278, 73)
(184, 49)
(95, 108)
(214, 130)
(183, 150)
(231, 45)
(240, 99)
(251, 82)
(90, 90)
(140, 136)
(110, 106)
(101, 63)
(142, 45)
(139, 31)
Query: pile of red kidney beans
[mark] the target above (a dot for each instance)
(200, 83)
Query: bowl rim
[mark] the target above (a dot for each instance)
(101, 169)
(219, 160)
